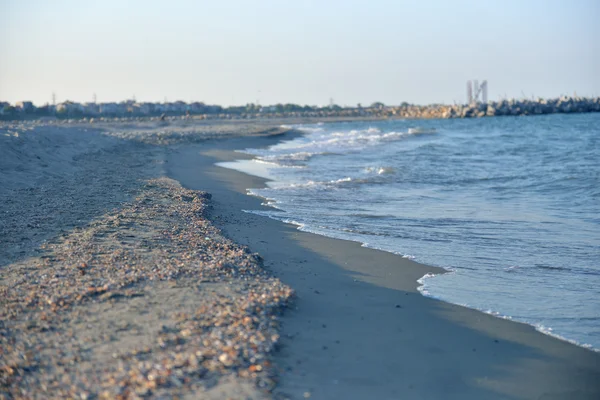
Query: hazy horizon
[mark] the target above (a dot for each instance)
(236, 52)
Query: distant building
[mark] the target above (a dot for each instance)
(62, 108)
(142, 108)
(70, 108)
(169, 107)
(197, 107)
(25, 106)
(91, 108)
(45, 110)
(180, 106)
(109, 108)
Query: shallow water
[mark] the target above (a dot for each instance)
(510, 205)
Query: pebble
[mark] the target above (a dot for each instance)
(161, 236)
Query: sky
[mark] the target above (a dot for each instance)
(308, 52)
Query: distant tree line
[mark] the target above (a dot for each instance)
(130, 108)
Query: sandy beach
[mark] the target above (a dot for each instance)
(128, 269)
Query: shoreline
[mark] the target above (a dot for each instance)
(325, 271)
(237, 165)
(116, 280)
(473, 109)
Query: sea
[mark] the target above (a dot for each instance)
(509, 206)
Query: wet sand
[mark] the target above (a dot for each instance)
(359, 329)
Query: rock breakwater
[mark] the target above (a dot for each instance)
(562, 105)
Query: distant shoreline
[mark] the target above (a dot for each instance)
(131, 110)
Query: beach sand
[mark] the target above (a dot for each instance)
(120, 277)
(113, 284)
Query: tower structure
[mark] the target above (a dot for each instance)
(484, 92)
(477, 93)
(469, 92)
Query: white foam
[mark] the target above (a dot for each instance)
(421, 281)
(548, 331)
(300, 225)
(321, 184)
(296, 156)
(275, 164)
(320, 141)
(380, 170)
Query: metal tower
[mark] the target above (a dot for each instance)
(477, 93)
(469, 92)
(484, 92)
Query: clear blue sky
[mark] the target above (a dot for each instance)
(300, 51)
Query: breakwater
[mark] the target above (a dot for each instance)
(562, 105)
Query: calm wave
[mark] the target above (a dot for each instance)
(511, 206)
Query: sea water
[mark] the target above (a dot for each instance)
(510, 206)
